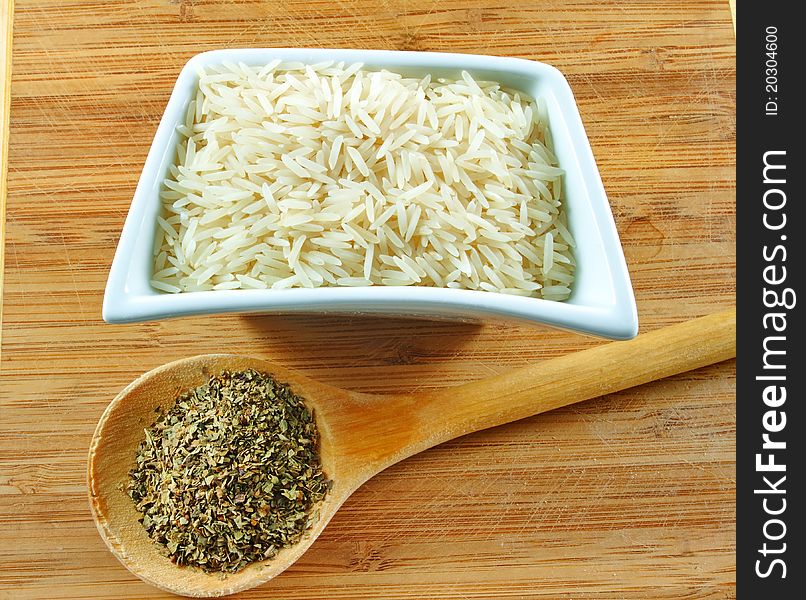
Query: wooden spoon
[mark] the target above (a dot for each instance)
(362, 434)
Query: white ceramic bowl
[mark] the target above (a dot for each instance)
(601, 303)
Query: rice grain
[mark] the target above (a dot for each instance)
(293, 175)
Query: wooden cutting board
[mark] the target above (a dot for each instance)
(627, 496)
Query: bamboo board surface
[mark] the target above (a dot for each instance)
(628, 496)
(6, 17)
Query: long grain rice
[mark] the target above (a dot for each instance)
(292, 175)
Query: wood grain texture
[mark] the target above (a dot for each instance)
(360, 434)
(733, 13)
(629, 496)
(6, 21)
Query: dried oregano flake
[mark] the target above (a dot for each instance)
(230, 473)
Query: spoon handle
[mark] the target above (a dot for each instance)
(446, 414)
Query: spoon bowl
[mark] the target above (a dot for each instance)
(362, 434)
(113, 452)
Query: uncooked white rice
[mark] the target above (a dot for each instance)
(293, 175)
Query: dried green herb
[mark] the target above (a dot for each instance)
(230, 473)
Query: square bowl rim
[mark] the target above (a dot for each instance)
(615, 320)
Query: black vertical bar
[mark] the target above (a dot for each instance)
(770, 269)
